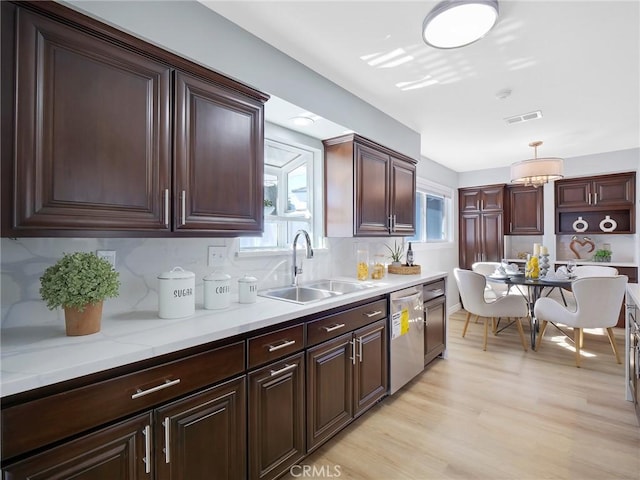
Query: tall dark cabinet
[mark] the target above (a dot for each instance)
(524, 208)
(481, 224)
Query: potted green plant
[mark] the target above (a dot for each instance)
(79, 282)
(268, 206)
(602, 255)
(396, 253)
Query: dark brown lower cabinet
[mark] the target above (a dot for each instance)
(114, 453)
(434, 328)
(276, 417)
(202, 436)
(345, 376)
(199, 437)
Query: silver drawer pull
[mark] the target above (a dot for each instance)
(147, 449)
(337, 326)
(436, 290)
(373, 314)
(285, 343)
(166, 384)
(284, 369)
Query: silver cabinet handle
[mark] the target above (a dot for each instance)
(372, 314)
(285, 343)
(337, 326)
(595, 198)
(183, 207)
(390, 223)
(353, 351)
(165, 197)
(437, 291)
(589, 198)
(166, 384)
(511, 226)
(284, 369)
(360, 348)
(147, 449)
(167, 426)
(481, 204)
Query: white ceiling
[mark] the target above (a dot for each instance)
(576, 61)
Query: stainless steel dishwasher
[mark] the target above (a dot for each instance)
(406, 337)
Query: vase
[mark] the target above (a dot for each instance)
(83, 323)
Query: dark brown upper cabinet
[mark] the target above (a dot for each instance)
(113, 136)
(593, 199)
(370, 190)
(524, 210)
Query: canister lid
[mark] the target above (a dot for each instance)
(177, 272)
(247, 279)
(217, 276)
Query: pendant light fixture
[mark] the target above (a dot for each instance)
(536, 171)
(456, 23)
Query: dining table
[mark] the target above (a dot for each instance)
(532, 291)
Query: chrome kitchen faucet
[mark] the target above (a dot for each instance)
(297, 270)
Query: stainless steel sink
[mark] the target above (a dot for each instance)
(298, 294)
(339, 286)
(314, 291)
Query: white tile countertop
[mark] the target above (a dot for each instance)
(41, 354)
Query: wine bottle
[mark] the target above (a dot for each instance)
(409, 256)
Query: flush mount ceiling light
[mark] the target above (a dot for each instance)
(302, 121)
(536, 171)
(456, 23)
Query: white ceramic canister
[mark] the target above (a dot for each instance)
(176, 293)
(217, 290)
(247, 289)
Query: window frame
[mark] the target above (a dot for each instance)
(429, 187)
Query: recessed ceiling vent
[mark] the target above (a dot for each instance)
(525, 117)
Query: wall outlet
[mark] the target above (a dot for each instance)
(216, 255)
(109, 255)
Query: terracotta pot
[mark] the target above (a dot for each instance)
(85, 322)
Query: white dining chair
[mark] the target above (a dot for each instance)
(493, 290)
(471, 286)
(582, 271)
(598, 301)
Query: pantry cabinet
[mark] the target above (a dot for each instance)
(481, 224)
(370, 190)
(117, 137)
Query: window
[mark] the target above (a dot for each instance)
(288, 196)
(433, 213)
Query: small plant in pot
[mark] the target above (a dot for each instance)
(396, 253)
(602, 255)
(79, 282)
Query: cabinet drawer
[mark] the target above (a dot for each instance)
(433, 290)
(272, 346)
(331, 326)
(39, 422)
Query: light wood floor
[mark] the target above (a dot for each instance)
(499, 414)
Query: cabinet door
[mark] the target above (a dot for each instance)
(492, 232)
(470, 231)
(329, 389)
(614, 191)
(203, 435)
(469, 200)
(573, 193)
(372, 192)
(219, 159)
(370, 373)
(93, 133)
(403, 197)
(526, 211)
(492, 198)
(434, 332)
(276, 417)
(115, 453)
